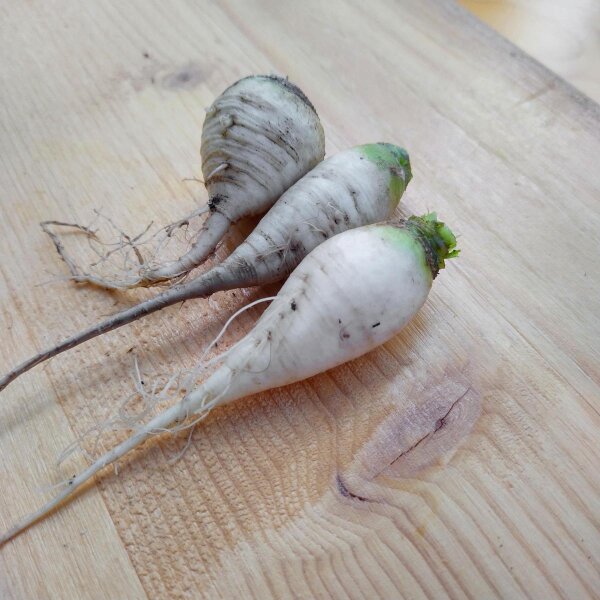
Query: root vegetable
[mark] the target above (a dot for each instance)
(353, 188)
(259, 137)
(351, 294)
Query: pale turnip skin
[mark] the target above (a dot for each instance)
(268, 134)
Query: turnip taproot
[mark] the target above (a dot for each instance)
(259, 137)
(349, 295)
(353, 188)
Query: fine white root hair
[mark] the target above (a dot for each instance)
(118, 259)
(194, 374)
(218, 169)
(148, 398)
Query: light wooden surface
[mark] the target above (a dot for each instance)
(460, 459)
(563, 35)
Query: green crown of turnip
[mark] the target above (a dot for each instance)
(439, 242)
(394, 158)
(334, 307)
(352, 188)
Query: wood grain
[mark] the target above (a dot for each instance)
(459, 460)
(561, 34)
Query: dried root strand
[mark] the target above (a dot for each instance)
(119, 263)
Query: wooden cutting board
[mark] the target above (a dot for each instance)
(460, 459)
